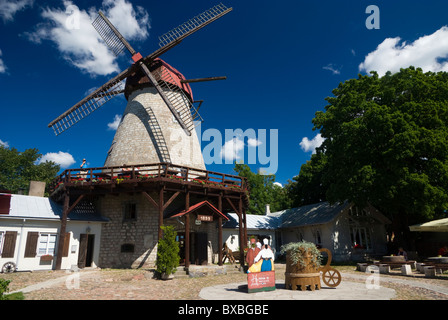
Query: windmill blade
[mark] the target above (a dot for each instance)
(111, 36)
(90, 103)
(175, 36)
(172, 103)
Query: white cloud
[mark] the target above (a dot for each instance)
(77, 40)
(278, 184)
(2, 64)
(253, 142)
(115, 123)
(230, 151)
(4, 144)
(9, 8)
(333, 68)
(311, 145)
(132, 23)
(428, 52)
(63, 159)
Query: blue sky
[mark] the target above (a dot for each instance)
(281, 59)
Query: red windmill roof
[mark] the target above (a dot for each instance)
(170, 74)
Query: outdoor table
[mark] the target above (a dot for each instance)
(438, 259)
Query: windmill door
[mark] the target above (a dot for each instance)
(201, 248)
(85, 256)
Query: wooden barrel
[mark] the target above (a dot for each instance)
(301, 276)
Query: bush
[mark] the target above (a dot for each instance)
(4, 288)
(300, 249)
(167, 252)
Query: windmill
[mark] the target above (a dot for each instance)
(158, 124)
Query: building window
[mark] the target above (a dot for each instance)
(130, 212)
(360, 237)
(47, 244)
(356, 212)
(127, 248)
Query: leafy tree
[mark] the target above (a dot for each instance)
(17, 169)
(308, 187)
(263, 191)
(386, 142)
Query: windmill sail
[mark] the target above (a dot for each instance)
(175, 36)
(89, 104)
(182, 108)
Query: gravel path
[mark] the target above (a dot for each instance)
(138, 284)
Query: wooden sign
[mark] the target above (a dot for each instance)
(261, 281)
(205, 218)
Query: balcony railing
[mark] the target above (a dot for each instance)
(147, 172)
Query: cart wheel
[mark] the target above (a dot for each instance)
(331, 277)
(9, 267)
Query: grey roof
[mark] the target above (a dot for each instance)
(253, 221)
(313, 214)
(32, 207)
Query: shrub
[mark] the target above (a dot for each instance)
(299, 249)
(4, 288)
(167, 252)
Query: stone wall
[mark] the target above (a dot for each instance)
(141, 232)
(135, 140)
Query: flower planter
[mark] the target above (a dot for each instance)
(302, 267)
(46, 258)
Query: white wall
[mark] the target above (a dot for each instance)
(23, 226)
(231, 237)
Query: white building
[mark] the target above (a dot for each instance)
(29, 231)
(348, 232)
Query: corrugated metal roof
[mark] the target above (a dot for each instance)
(253, 221)
(44, 208)
(318, 213)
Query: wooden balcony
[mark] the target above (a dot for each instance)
(135, 178)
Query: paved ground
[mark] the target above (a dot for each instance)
(347, 290)
(115, 284)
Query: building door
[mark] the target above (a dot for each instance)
(85, 256)
(201, 248)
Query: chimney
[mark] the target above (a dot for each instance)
(37, 188)
(268, 209)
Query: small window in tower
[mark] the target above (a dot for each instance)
(127, 248)
(130, 212)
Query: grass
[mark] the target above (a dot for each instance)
(14, 296)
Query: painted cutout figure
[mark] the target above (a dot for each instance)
(264, 261)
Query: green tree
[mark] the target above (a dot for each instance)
(17, 169)
(386, 142)
(263, 191)
(167, 252)
(308, 187)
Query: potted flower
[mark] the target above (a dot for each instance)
(167, 253)
(304, 255)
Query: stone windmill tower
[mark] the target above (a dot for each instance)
(158, 124)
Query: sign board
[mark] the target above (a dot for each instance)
(261, 281)
(202, 217)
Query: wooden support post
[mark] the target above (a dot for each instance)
(220, 231)
(242, 236)
(160, 212)
(243, 214)
(187, 231)
(62, 231)
(241, 224)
